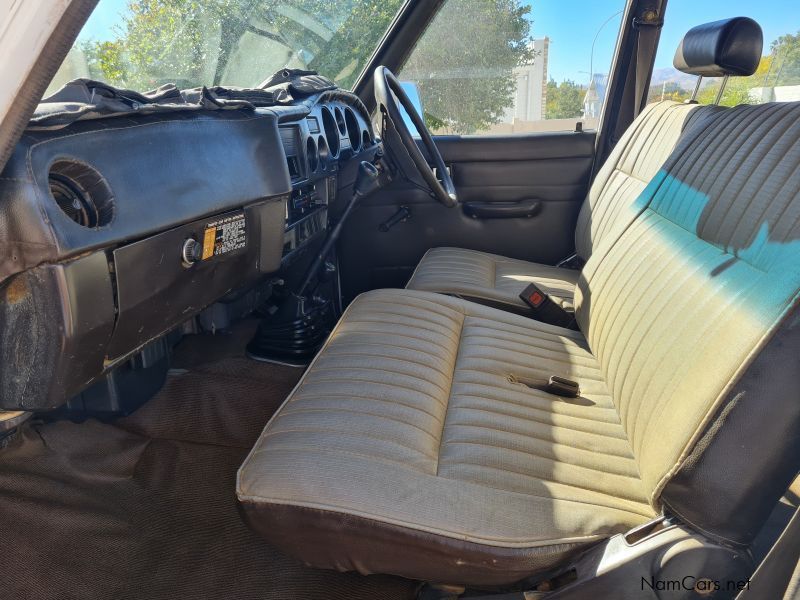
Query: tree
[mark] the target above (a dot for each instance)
(463, 64)
(738, 89)
(195, 42)
(780, 67)
(564, 100)
(670, 90)
(786, 55)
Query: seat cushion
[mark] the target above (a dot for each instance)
(490, 279)
(415, 445)
(618, 194)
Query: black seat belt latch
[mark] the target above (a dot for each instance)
(561, 386)
(544, 308)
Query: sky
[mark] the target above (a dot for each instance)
(573, 26)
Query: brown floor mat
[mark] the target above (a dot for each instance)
(146, 508)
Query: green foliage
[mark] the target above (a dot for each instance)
(463, 63)
(781, 67)
(737, 90)
(197, 42)
(670, 90)
(564, 100)
(354, 42)
(786, 54)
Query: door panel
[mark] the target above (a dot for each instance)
(545, 173)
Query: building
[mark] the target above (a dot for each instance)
(530, 97)
(595, 96)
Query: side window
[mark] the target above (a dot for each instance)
(777, 78)
(513, 66)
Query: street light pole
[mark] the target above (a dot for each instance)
(594, 41)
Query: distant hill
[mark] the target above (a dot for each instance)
(670, 74)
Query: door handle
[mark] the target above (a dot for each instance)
(523, 209)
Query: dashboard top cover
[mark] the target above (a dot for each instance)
(142, 175)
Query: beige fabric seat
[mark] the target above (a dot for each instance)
(418, 442)
(491, 279)
(610, 207)
(417, 414)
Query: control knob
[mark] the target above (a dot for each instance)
(192, 252)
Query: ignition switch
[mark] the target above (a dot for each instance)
(192, 252)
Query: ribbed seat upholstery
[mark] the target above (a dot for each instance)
(491, 279)
(608, 209)
(418, 442)
(417, 413)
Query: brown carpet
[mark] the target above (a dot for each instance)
(146, 508)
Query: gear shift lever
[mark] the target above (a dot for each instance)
(367, 181)
(294, 333)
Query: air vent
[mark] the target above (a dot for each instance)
(290, 137)
(81, 193)
(294, 167)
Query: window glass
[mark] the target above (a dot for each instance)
(514, 66)
(142, 44)
(778, 74)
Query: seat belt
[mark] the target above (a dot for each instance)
(647, 26)
(778, 575)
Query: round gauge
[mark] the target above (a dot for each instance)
(331, 131)
(323, 153)
(340, 121)
(312, 155)
(353, 130)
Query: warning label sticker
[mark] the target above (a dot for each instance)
(224, 235)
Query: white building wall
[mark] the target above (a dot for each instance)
(782, 93)
(529, 101)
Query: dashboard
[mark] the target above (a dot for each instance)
(119, 230)
(320, 151)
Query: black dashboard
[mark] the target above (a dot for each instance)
(119, 230)
(320, 149)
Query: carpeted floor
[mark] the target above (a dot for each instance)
(145, 508)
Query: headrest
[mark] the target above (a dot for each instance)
(727, 47)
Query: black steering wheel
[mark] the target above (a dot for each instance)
(388, 92)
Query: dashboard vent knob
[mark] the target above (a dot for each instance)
(81, 193)
(72, 201)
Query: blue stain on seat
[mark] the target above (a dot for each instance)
(764, 273)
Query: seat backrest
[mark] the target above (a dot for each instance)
(730, 47)
(635, 160)
(682, 309)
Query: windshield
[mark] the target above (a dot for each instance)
(142, 44)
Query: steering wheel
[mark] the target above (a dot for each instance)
(388, 93)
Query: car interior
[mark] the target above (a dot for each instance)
(310, 340)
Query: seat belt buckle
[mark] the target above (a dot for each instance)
(561, 386)
(535, 298)
(544, 308)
